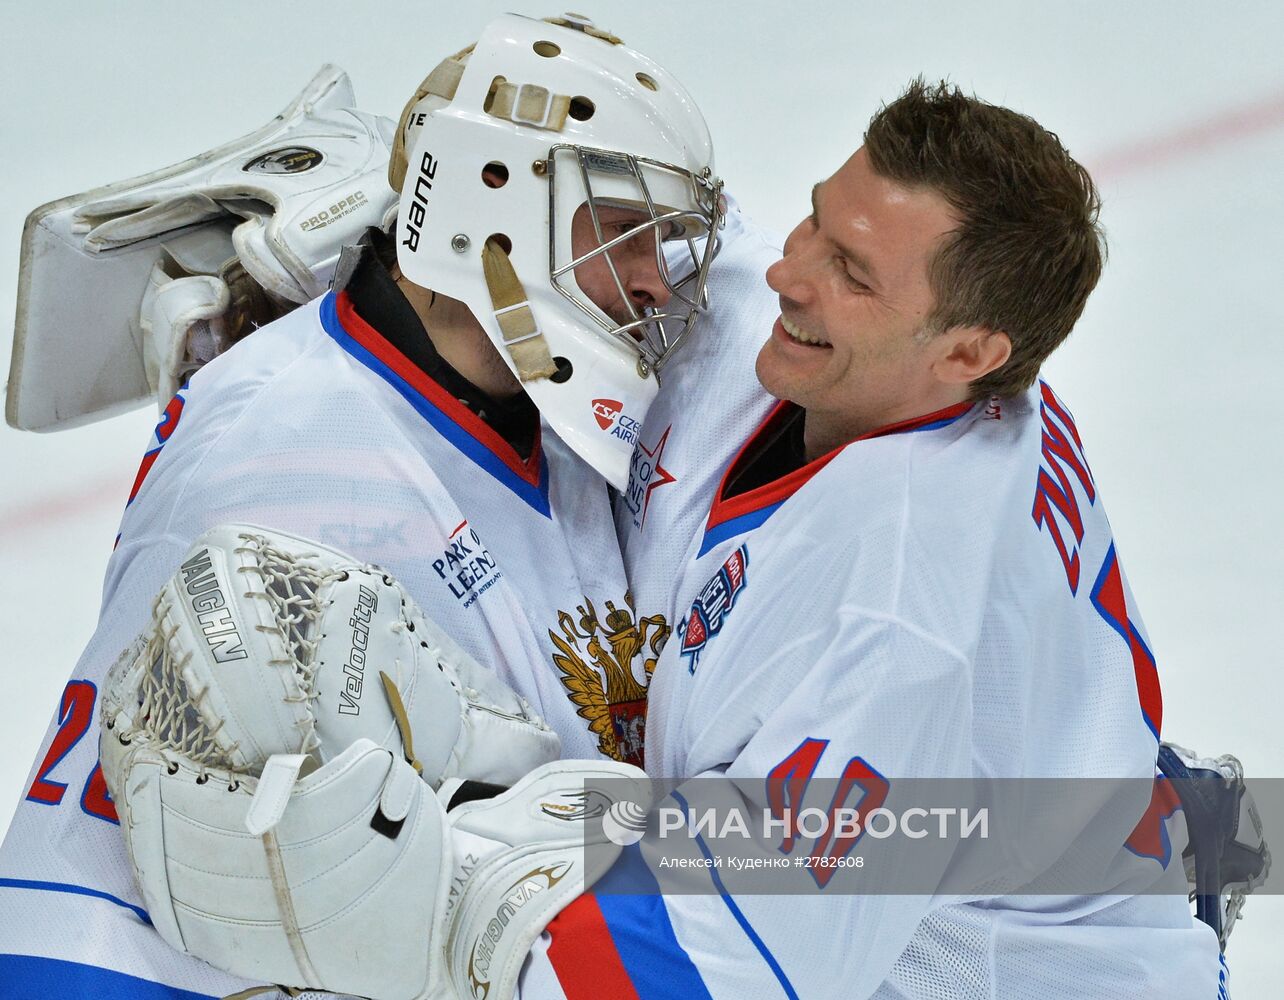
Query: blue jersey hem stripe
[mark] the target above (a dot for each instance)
(535, 497)
(741, 919)
(29, 977)
(75, 890)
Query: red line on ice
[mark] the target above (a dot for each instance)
(55, 510)
(1224, 127)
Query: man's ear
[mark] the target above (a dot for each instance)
(967, 353)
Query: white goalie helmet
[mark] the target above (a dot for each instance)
(499, 149)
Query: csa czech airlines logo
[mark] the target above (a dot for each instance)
(712, 605)
(610, 416)
(606, 410)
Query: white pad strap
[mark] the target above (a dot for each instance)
(275, 785)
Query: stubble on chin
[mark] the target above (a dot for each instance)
(768, 374)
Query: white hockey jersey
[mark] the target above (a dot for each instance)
(942, 598)
(319, 426)
(709, 401)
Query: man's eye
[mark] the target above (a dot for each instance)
(614, 230)
(853, 282)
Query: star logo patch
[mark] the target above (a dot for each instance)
(646, 475)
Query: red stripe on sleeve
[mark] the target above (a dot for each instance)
(144, 467)
(584, 956)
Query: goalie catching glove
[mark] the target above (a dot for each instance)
(275, 744)
(266, 644)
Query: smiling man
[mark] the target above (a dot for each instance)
(857, 345)
(907, 572)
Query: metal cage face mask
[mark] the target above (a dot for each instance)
(681, 213)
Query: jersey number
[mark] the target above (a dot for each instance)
(787, 785)
(75, 713)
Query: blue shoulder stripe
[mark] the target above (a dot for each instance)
(534, 495)
(736, 526)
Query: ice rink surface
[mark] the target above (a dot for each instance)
(1177, 108)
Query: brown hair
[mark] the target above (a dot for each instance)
(1029, 248)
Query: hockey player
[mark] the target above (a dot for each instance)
(400, 420)
(709, 400)
(906, 573)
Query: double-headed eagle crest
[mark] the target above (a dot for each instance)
(597, 665)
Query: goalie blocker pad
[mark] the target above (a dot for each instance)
(278, 204)
(363, 884)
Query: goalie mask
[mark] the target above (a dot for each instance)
(538, 171)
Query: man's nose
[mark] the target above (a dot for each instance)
(789, 275)
(643, 279)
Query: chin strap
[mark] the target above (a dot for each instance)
(522, 336)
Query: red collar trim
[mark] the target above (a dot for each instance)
(780, 490)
